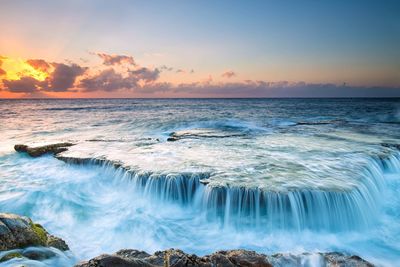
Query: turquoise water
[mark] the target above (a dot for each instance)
(283, 175)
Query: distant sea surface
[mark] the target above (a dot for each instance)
(271, 175)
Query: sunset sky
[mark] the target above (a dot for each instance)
(199, 48)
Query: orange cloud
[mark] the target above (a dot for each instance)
(39, 64)
(18, 68)
(2, 72)
(111, 60)
(229, 74)
(37, 75)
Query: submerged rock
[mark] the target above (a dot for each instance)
(41, 150)
(19, 232)
(203, 133)
(229, 258)
(390, 145)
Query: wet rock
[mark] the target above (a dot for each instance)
(339, 259)
(37, 254)
(41, 150)
(322, 122)
(106, 260)
(330, 259)
(19, 232)
(10, 255)
(229, 258)
(239, 257)
(203, 133)
(397, 146)
(56, 242)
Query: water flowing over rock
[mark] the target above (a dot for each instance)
(240, 206)
(41, 150)
(230, 258)
(298, 209)
(19, 232)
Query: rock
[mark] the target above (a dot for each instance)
(339, 259)
(330, 259)
(239, 257)
(19, 232)
(113, 260)
(229, 258)
(56, 242)
(41, 150)
(203, 133)
(37, 254)
(11, 255)
(390, 145)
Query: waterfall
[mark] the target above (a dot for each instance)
(313, 209)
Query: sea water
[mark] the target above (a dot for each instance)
(271, 175)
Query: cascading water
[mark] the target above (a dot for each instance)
(243, 207)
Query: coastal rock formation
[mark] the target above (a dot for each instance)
(19, 232)
(41, 150)
(230, 258)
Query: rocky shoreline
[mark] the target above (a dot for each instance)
(19, 236)
(228, 258)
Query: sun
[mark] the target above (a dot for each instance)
(18, 68)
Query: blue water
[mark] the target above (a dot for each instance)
(272, 175)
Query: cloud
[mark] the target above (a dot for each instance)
(107, 80)
(250, 88)
(23, 85)
(110, 77)
(164, 67)
(39, 64)
(2, 72)
(145, 74)
(112, 60)
(228, 74)
(110, 80)
(63, 77)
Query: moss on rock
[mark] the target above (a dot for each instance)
(10, 256)
(40, 233)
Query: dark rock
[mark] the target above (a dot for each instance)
(229, 258)
(239, 257)
(56, 242)
(19, 232)
(339, 259)
(203, 133)
(38, 254)
(41, 150)
(397, 146)
(106, 260)
(11, 255)
(323, 122)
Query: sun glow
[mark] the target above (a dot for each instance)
(18, 68)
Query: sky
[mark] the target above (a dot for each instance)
(149, 48)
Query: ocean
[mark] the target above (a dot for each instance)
(270, 175)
